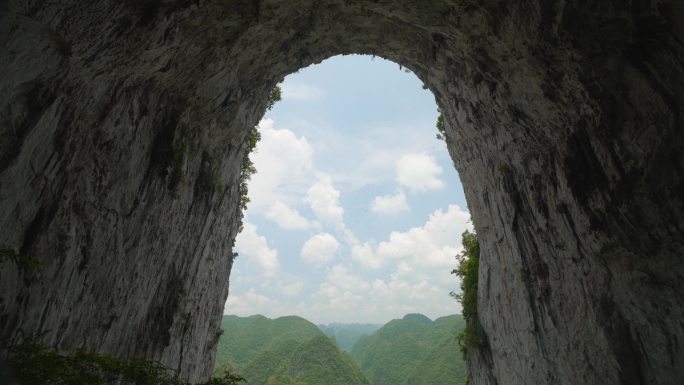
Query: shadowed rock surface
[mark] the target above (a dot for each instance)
(122, 128)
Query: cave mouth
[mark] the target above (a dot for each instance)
(126, 124)
(351, 231)
(353, 185)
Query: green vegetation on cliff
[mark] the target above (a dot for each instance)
(247, 168)
(472, 337)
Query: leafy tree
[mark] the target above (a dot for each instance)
(441, 131)
(472, 337)
(276, 96)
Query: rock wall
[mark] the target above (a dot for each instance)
(123, 127)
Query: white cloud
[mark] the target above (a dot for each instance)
(255, 247)
(364, 254)
(428, 251)
(252, 302)
(381, 290)
(373, 166)
(286, 217)
(419, 172)
(284, 164)
(442, 229)
(376, 152)
(348, 235)
(291, 289)
(341, 277)
(320, 248)
(343, 291)
(421, 291)
(324, 200)
(346, 297)
(389, 204)
(248, 303)
(429, 248)
(423, 258)
(300, 91)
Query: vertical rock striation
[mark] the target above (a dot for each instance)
(123, 127)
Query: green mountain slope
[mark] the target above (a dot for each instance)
(245, 337)
(442, 366)
(413, 351)
(319, 362)
(268, 362)
(283, 351)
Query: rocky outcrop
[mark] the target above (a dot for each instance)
(122, 132)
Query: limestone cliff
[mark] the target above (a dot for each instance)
(122, 130)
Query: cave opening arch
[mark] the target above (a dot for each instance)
(323, 175)
(125, 140)
(287, 268)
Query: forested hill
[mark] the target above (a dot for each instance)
(244, 337)
(293, 351)
(413, 351)
(317, 361)
(283, 351)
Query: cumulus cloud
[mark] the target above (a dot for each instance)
(442, 231)
(284, 164)
(419, 172)
(323, 199)
(428, 251)
(389, 204)
(291, 289)
(347, 297)
(255, 247)
(300, 91)
(365, 255)
(421, 251)
(320, 248)
(397, 289)
(341, 277)
(342, 291)
(422, 257)
(248, 303)
(286, 217)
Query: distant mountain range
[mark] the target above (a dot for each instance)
(346, 335)
(293, 351)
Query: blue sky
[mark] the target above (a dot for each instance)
(356, 210)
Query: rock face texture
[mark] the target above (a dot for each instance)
(122, 127)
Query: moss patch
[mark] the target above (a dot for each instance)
(22, 261)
